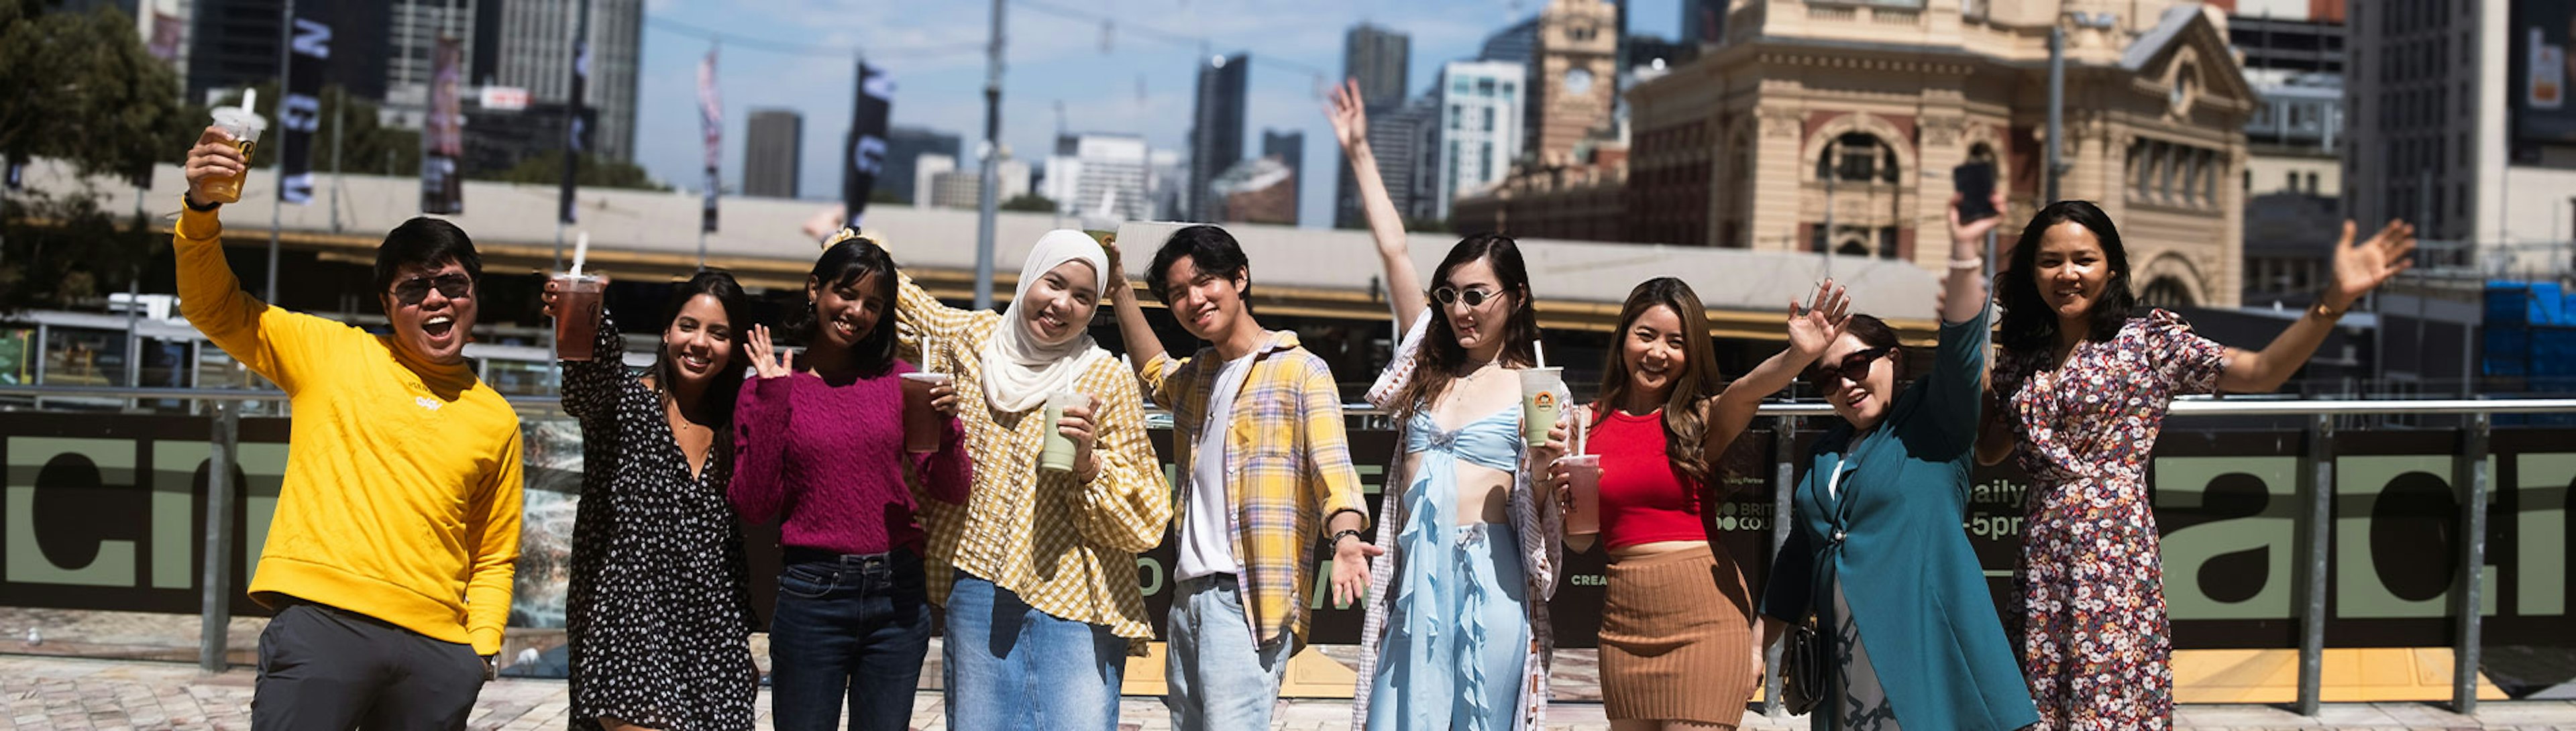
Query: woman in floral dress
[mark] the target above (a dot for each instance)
(2079, 394)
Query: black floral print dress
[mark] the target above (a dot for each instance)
(658, 615)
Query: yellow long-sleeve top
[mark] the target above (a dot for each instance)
(402, 491)
(1066, 548)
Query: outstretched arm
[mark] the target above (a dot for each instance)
(1350, 126)
(1811, 330)
(1142, 346)
(2358, 269)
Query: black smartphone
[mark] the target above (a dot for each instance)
(1976, 185)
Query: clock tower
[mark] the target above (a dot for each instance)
(1574, 75)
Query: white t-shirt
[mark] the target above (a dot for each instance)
(1207, 537)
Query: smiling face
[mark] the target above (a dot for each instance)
(699, 344)
(845, 314)
(432, 311)
(1477, 307)
(2071, 271)
(1061, 302)
(1207, 305)
(1858, 379)
(1655, 352)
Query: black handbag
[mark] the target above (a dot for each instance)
(1802, 668)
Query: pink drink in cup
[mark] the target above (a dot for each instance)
(577, 314)
(921, 423)
(1584, 480)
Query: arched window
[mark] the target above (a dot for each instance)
(2165, 292)
(1857, 157)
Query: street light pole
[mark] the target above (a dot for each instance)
(992, 151)
(2056, 110)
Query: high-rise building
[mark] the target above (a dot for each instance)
(905, 145)
(1216, 130)
(536, 54)
(1406, 142)
(1290, 147)
(1100, 178)
(1381, 60)
(1516, 44)
(416, 27)
(1167, 178)
(773, 148)
(233, 44)
(2432, 135)
(1574, 77)
(1480, 128)
(942, 185)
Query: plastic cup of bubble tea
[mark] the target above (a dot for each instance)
(1058, 456)
(245, 127)
(1543, 398)
(921, 422)
(1583, 479)
(577, 307)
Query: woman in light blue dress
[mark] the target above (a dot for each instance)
(1456, 635)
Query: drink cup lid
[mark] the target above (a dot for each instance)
(242, 118)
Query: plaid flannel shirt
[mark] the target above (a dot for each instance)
(1287, 463)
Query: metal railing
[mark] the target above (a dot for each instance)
(2316, 467)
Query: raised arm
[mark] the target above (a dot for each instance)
(270, 341)
(2357, 269)
(1812, 329)
(760, 421)
(590, 387)
(1350, 126)
(1143, 347)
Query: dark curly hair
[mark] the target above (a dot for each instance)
(844, 265)
(2029, 324)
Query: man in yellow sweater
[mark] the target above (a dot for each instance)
(390, 556)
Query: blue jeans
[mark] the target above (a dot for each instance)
(1011, 667)
(1220, 679)
(848, 628)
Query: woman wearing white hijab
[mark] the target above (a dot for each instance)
(1037, 572)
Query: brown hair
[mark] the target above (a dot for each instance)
(1875, 333)
(1685, 428)
(1437, 360)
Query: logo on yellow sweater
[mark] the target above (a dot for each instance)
(427, 402)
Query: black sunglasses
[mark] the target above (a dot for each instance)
(454, 286)
(1473, 297)
(1853, 368)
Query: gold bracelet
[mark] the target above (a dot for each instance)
(2331, 314)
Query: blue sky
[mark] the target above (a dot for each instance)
(1127, 79)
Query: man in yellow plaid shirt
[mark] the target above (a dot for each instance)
(1264, 471)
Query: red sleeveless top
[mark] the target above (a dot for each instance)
(1643, 499)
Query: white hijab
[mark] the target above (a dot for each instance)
(1019, 370)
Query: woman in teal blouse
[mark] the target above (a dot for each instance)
(1876, 551)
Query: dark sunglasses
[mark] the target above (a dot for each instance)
(1473, 297)
(454, 286)
(1854, 368)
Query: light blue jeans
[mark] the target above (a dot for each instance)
(1011, 667)
(1220, 680)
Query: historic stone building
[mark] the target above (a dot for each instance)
(1819, 126)
(1574, 77)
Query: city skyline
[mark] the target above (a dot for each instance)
(1143, 85)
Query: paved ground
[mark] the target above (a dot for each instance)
(105, 695)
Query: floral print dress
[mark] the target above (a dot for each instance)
(2094, 639)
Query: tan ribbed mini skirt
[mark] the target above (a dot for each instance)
(1676, 640)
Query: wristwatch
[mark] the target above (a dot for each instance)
(1336, 541)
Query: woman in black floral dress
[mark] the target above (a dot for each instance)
(659, 616)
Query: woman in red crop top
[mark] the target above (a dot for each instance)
(1667, 660)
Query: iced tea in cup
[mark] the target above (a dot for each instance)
(921, 422)
(1058, 456)
(1583, 479)
(577, 315)
(244, 126)
(1543, 397)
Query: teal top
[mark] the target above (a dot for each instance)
(1893, 536)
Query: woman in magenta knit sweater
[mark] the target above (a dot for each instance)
(821, 451)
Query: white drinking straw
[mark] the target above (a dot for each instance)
(250, 98)
(580, 250)
(1540, 346)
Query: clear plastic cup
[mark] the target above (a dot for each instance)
(577, 311)
(245, 127)
(1543, 397)
(921, 423)
(1058, 455)
(1583, 472)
